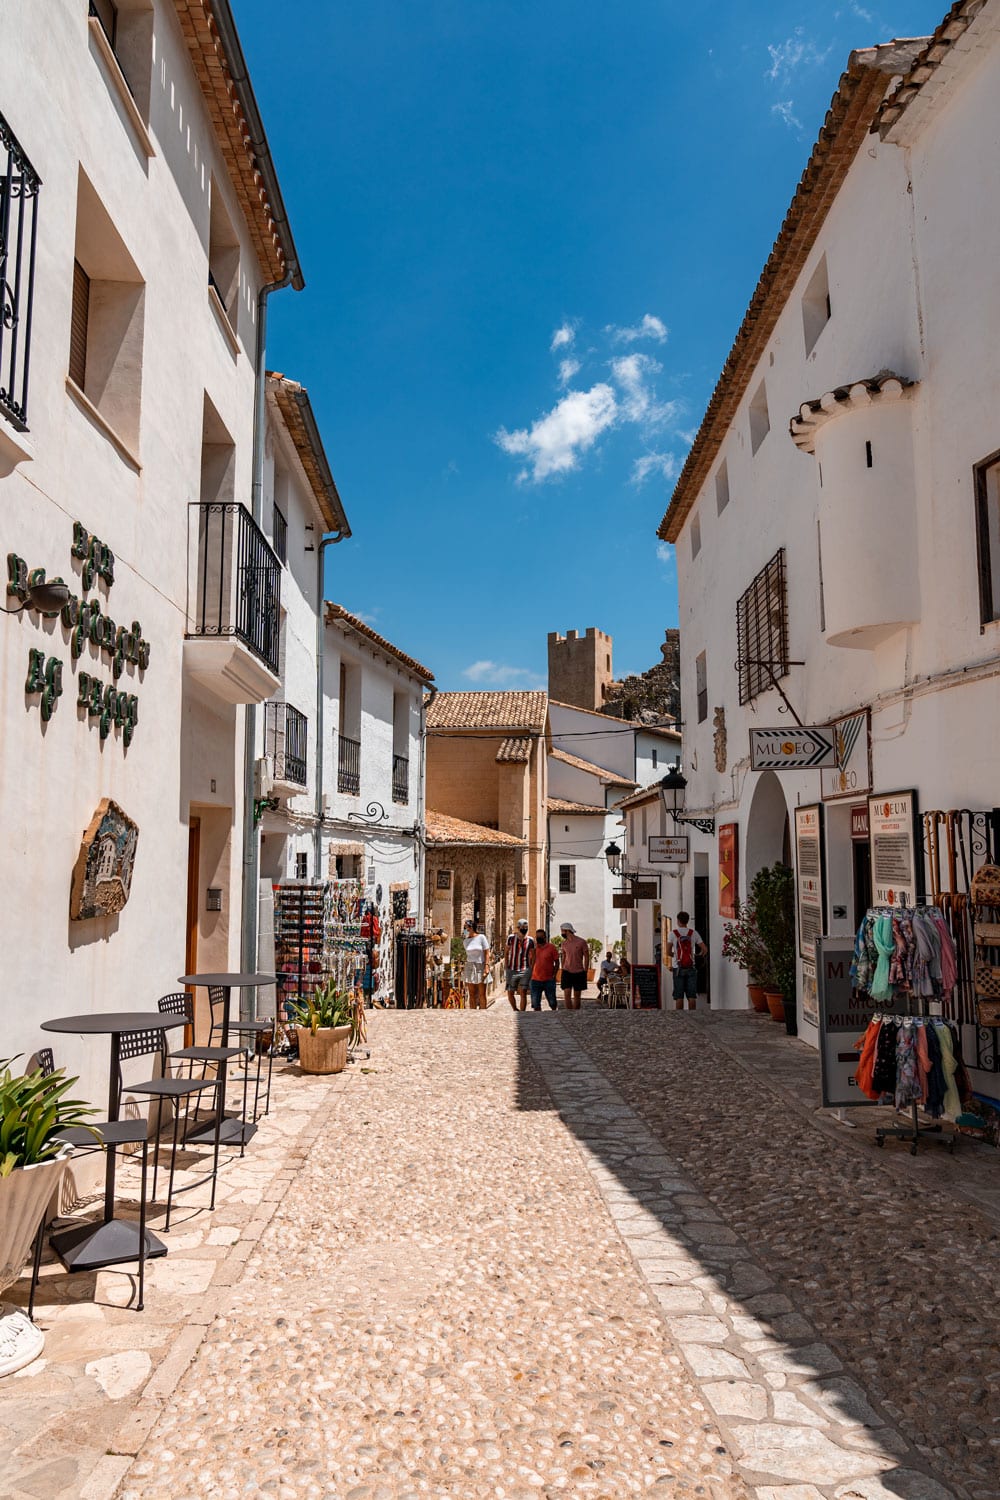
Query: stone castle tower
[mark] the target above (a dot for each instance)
(580, 668)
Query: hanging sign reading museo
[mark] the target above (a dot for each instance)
(809, 878)
(807, 747)
(896, 849)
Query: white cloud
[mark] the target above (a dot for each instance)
(653, 463)
(563, 337)
(567, 369)
(793, 54)
(553, 444)
(786, 109)
(665, 553)
(651, 327)
(369, 618)
(494, 674)
(639, 403)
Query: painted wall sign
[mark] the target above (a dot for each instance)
(810, 901)
(668, 849)
(102, 875)
(852, 773)
(444, 880)
(843, 1016)
(859, 822)
(728, 873)
(87, 623)
(896, 849)
(806, 747)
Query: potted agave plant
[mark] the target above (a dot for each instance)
(743, 945)
(33, 1111)
(323, 1024)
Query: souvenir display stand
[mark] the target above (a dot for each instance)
(298, 941)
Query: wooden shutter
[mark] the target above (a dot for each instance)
(78, 326)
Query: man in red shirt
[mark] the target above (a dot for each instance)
(543, 971)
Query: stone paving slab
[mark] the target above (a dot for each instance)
(895, 1267)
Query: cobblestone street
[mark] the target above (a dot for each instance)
(592, 1254)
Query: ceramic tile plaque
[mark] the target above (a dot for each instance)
(102, 876)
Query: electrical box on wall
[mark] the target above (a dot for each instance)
(213, 898)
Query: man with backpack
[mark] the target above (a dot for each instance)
(686, 946)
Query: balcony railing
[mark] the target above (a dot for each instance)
(348, 765)
(400, 778)
(19, 185)
(236, 587)
(280, 535)
(286, 734)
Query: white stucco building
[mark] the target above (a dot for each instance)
(593, 761)
(836, 521)
(144, 189)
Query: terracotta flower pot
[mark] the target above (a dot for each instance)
(775, 1005)
(758, 999)
(324, 1052)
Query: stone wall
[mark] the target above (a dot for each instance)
(654, 696)
(580, 667)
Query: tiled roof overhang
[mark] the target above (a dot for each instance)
(920, 88)
(860, 91)
(336, 614)
(300, 422)
(814, 414)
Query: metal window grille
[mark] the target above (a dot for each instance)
(567, 879)
(762, 630)
(280, 535)
(236, 589)
(400, 778)
(78, 325)
(301, 867)
(701, 685)
(19, 186)
(348, 765)
(286, 737)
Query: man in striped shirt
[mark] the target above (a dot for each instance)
(519, 960)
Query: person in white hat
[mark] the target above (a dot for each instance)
(574, 956)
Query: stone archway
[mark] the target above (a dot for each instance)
(768, 832)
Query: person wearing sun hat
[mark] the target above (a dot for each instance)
(574, 956)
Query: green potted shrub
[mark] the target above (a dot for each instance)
(596, 946)
(743, 946)
(773, 893)
(34, 1110)
(323, 1024)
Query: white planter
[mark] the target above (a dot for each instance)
(23, 1196)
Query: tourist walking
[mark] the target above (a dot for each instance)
(575, 956)
(519, 959)
(477, 959)
(543, 971)
(686, 946)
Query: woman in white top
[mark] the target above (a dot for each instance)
(477, 958)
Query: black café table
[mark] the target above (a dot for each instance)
(88, 1247)
(233, 1131)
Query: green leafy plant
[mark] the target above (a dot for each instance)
(34, 1111)
(557, 941)
(328, 1006)
(743, 944)
(772, 891)
(618, 949)
(596, 947)
(457, 951)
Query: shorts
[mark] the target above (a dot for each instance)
(686, 984)
(574, 979)
(517, 979)
(473, 974)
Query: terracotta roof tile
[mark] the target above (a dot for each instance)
(596, 713)
(852, 110)
(608, 778)
(442, 829)
(561, 805)
(520, 710)
(924, 69)
(337, 614)
(300, 423)
(813, 414)
(516, 748)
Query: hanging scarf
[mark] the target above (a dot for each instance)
(949, 957)
(907, 1067)
(923, 962)
(952, 1102)
(880, 988)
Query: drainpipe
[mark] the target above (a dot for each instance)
(419, 839)
(330, 540)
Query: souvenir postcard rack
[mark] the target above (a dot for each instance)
(299, 958)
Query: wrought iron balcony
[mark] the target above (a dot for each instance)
(400, 778)
(286, 735)
(234, 598)
(348, 765)
(19, 185)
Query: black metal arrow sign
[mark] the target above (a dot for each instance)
(810, 747)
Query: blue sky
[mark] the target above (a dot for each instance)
(529, 230)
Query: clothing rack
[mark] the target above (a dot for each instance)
(916, 1128)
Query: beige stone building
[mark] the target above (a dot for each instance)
(472, 871)
(486, 768)
(580, 671)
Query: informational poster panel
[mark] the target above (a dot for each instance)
(851, 776)
(668, 849)
(809, 882)
(728, 870)
(646, 986)
(843, 1016)
(810, 996)
(896, 849)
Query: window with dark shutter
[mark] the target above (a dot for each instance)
(567, 878)
(78, 326)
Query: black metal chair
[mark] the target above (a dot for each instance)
(244, 1028)
(180, 1003)
(113, 1133)
(153, 1043)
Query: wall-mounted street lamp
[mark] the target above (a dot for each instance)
(47, 597)
(613, 855)
(672, 788)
